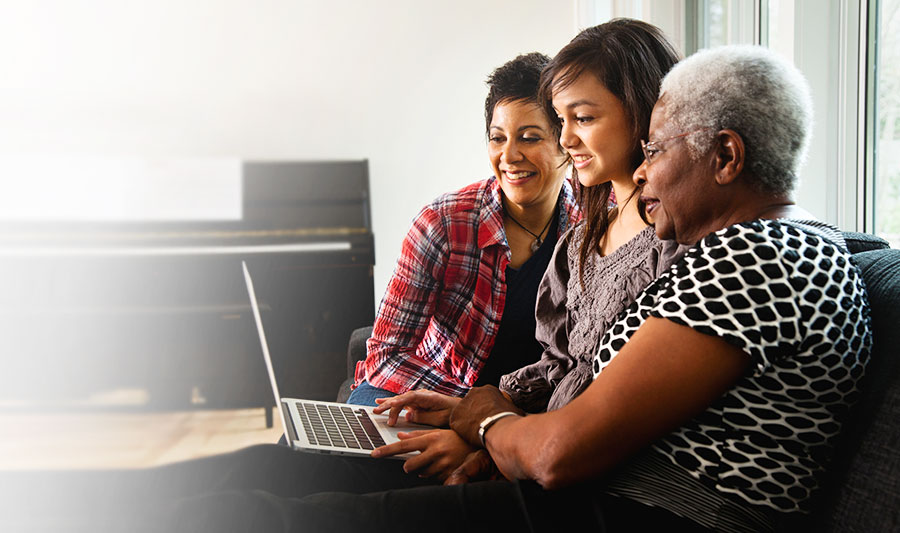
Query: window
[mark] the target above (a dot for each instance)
(712, 23)
(886, 118)
(849, 51)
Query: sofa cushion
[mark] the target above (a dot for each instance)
(863, 242)
(863, 492)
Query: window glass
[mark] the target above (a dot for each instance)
(717, 17)
(780, 25)
(887, 123)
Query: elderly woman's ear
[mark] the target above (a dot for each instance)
(729, 156)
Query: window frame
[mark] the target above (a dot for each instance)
(834, 45)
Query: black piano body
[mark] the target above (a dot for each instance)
(89, 309)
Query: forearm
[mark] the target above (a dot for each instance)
(393, 359)
(410, 300)
(523, 447)
(665, 375)
(531, 448)
(581, 441)
(401, 372)
(505, 451)
(554, 449)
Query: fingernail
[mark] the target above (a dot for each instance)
(376, 453)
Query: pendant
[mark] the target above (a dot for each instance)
(535, 246)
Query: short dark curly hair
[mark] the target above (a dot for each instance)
(517, 80)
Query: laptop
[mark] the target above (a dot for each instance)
(327, 427)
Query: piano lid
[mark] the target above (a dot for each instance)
(285, 204)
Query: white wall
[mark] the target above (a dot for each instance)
(398, 82)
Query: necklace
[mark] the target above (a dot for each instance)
(537, 236)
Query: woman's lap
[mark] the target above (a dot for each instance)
(127, 499)
(485, 506)
(482, 506)
(274, 488)
(365, 394)
(285, 472)
(341, 494)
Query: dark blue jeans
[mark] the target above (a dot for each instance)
(365, 394)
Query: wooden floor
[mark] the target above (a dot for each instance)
(126, 439)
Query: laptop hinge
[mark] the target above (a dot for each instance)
(289, 422)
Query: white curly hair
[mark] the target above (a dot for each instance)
(753, 91)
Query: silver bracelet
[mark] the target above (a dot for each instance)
(489, 421)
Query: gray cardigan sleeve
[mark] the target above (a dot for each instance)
(558, 377)
(658, 260)
(530, 387)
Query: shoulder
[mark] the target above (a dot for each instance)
(760, 252)
(768, 240)
(569, 202)
(462, 206)
(562, 251)
(651, 256)
(470, 198)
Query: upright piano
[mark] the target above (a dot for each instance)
(89, 310)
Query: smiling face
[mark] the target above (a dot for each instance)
(596, 131)
(679, 194)
(525, 155)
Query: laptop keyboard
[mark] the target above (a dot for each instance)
(334, 425)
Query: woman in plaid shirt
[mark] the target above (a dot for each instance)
(459, 309)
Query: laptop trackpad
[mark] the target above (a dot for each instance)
(390, 433)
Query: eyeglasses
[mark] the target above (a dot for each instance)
(652, 149)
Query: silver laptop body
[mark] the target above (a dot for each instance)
(326, 427)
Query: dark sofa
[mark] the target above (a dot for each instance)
(862, 492)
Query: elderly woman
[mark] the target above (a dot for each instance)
(717, 394)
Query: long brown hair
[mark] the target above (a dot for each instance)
(629, 57)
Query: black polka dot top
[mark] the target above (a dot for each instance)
(794, 302)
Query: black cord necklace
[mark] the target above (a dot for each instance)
(537, 237)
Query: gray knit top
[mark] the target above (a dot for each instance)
(572, 317)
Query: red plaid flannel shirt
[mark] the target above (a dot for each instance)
(442, 308)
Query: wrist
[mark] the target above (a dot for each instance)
(489, 421)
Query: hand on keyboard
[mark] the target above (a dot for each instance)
(422, 407)
(442, 451)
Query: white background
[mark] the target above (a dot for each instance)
(397, 82)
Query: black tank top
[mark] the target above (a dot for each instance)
(515, 345)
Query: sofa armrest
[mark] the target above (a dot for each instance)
(863, 242)
(863, 492)
(356, 351)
